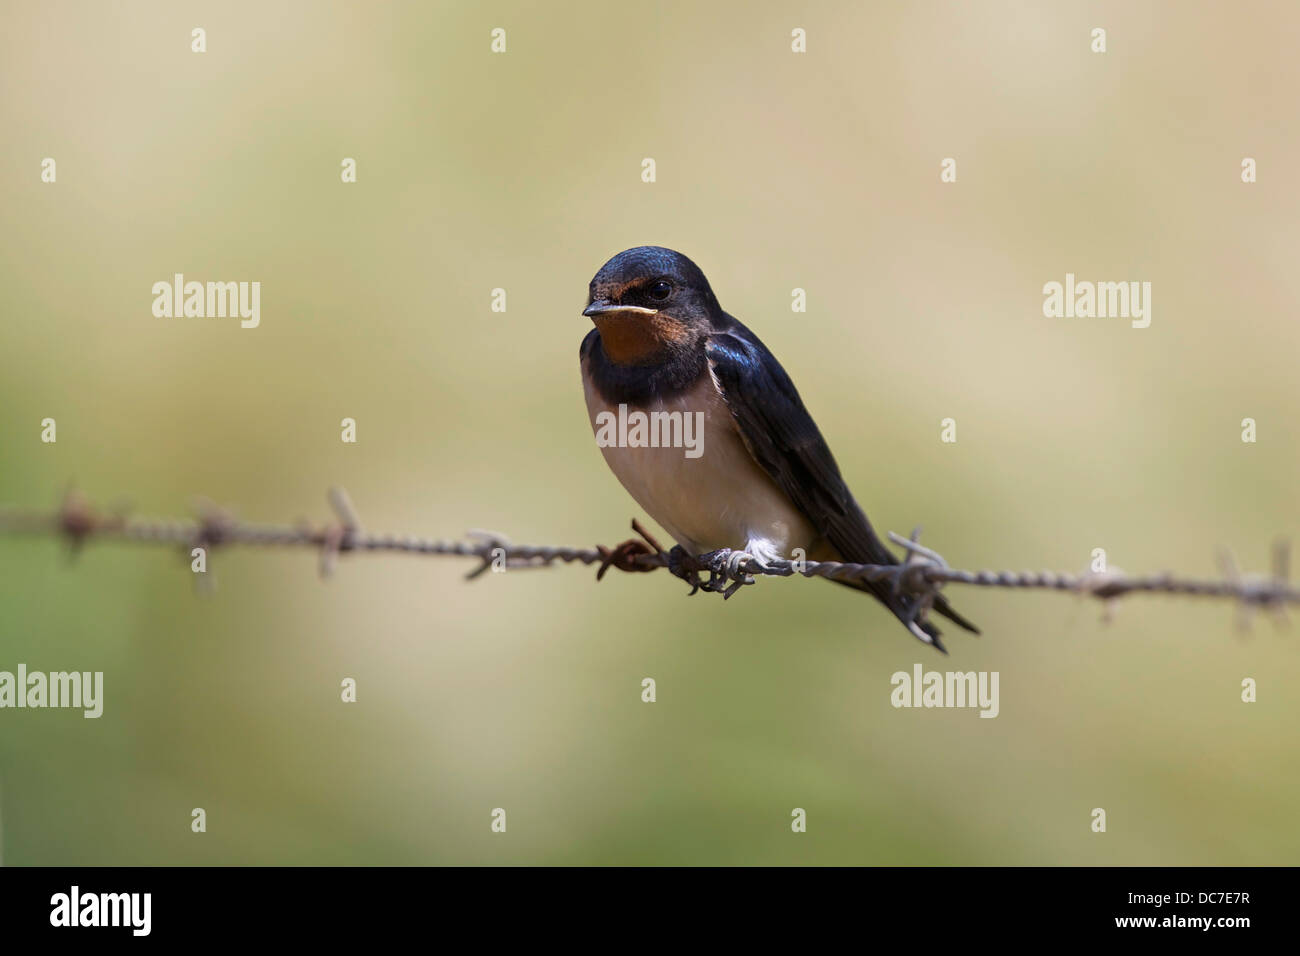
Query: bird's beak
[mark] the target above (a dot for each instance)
(601, 307)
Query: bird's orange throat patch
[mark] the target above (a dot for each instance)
(631, 339)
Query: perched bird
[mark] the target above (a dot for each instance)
(761, 480)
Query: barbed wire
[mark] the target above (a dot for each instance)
(922, 572)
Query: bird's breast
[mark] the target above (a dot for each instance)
(700, 482)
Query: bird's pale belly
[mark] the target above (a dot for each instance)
(721, 499)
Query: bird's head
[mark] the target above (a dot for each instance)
(648, 302)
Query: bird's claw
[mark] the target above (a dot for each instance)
(682, 564)
(724, 566)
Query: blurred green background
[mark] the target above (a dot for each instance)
(522, 171)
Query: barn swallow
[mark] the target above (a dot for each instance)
(764, 482)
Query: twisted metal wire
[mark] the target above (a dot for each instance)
(922, 572)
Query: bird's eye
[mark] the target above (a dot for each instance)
(660, 289)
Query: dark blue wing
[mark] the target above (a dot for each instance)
(783, 438)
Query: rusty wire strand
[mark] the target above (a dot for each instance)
(922, 572)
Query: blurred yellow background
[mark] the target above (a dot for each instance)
(522, 171)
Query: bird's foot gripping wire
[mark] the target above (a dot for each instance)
(684, 565)
(624, 556)
(726, 569)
